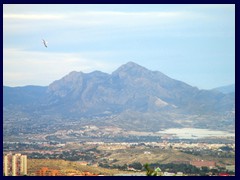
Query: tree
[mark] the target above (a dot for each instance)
(158, 171)
(205, 169)
(149, 171)
(136, 165)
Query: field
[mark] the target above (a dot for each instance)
(67, 167)
(151, 155)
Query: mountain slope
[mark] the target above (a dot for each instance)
(130, 87)
(226, 89)
(23, 96)
(129, 92)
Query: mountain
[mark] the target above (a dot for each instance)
(129, 97)
(226, 89)
(22, 95)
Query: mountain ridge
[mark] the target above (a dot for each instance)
(226, 89)
(130, 88)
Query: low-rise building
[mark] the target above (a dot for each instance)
(181, 162)
(168, 174)
(200, 164)
(84, 163)
(179, 174)
(230, 168)
(87, 173)
(223, 174)
(45, 171)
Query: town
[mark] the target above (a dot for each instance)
(173, 158)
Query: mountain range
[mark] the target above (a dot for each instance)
(226, 89)
(131, 97)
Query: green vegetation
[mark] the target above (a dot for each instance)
(67, 166)
(149, 171)
(170, 167)
(136, 165)
(120, 167)
(72, 155)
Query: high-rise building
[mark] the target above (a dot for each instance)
(14, 165)
(24, 164)
(7, 167)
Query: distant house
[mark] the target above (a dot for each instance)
(95, 165)
(147, 152)
(45, 171)
(223, 174)
(134, 174)
(181, 162)
(179, 174)
(200, 164)
(87, 173)
(168, 174)
(230, 168)
(84, 163)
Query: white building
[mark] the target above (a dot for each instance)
(168, 174)
(14, 165)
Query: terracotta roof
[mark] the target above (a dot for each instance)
(203, 163)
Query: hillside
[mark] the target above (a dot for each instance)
(66, 167)
(226, 89)
(132, 97)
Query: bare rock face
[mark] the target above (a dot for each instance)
(131, 88)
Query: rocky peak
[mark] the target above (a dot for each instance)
(131, 69)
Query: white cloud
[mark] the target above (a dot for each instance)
(34, 21)
(86, 25)
(94, 14)
(61, 19)
(39, 68)
(83, 27)
(33, 16)
(130, 33)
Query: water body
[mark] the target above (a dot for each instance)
(194, 133)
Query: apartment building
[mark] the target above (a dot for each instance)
(14, 165)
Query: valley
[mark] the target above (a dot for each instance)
(116, 121)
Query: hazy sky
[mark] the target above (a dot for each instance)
(191, 43)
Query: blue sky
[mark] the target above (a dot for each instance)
(191, 43)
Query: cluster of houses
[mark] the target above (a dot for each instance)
(45, 171)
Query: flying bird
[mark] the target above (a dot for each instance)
(45, 43)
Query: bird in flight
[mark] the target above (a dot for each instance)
(45, 43)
